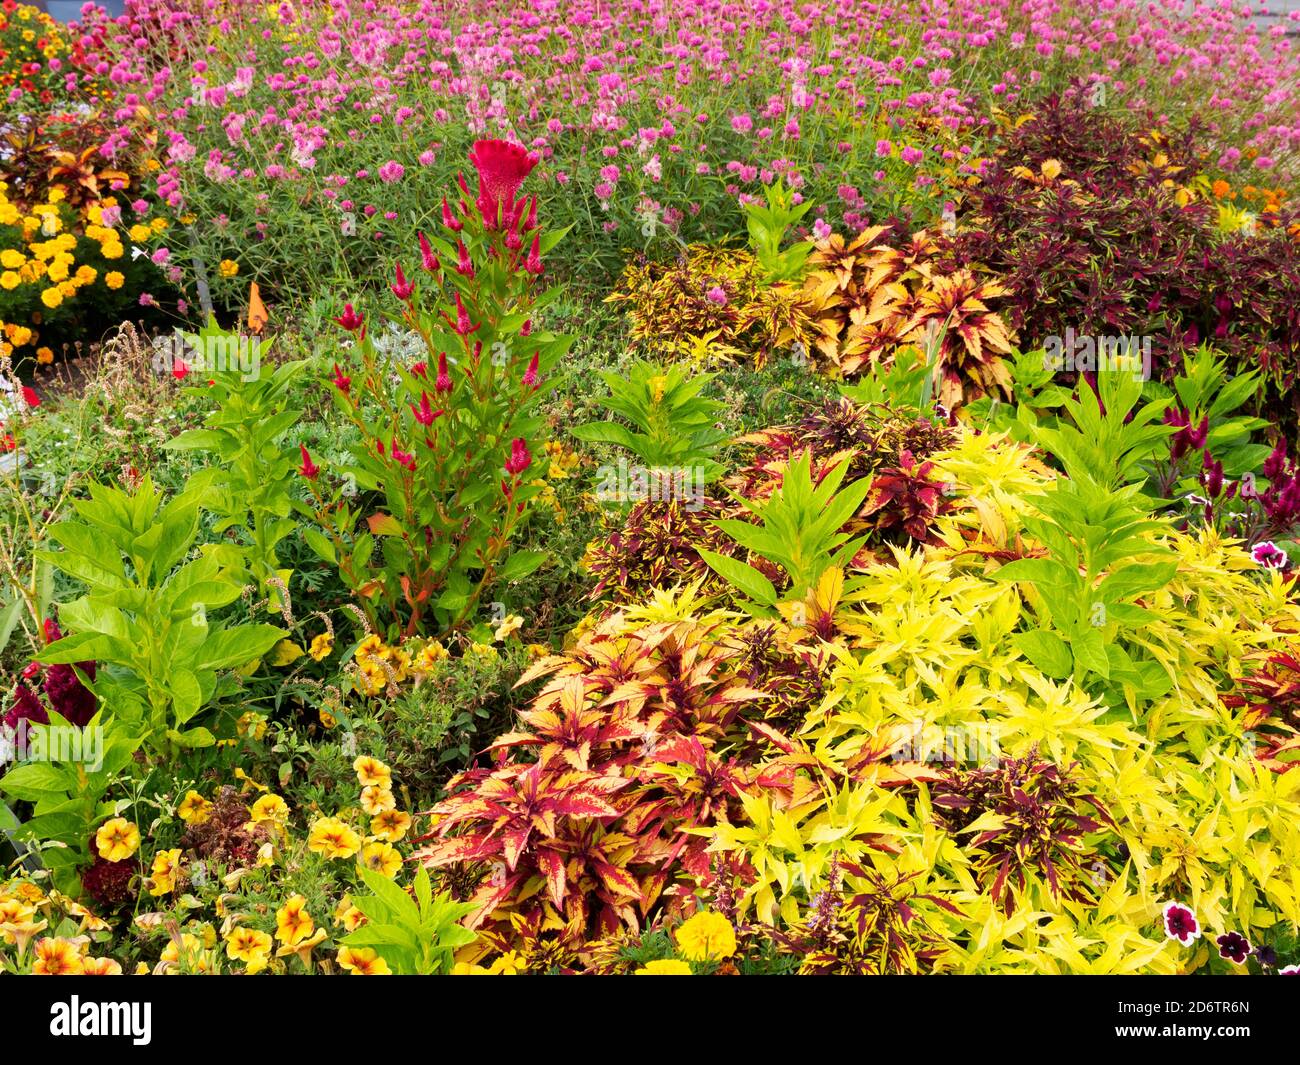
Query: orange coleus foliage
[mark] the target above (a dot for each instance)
(583, 826)
(883, 290)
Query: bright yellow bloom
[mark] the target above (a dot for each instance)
(376, 799)
(117, 840)
(100, 967)
(293, 922)
(57, 957)
(664, 967)
(321, 646)
(382, 858)
(139, 233)
(429, 656)
(371, 771)
(52, 298)
(12, 259)
(332, 838)
(44, 356)
(390, 825)
(270, 807)
(363, 961)
(348, 915)
(509, 627)
(114, 280)
(166, 867)
(228, 268)
(252, 725)
(194, 809)
(249, 946)
(9, 280)
(707, 936)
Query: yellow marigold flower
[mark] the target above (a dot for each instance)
(269, 807)
(52, 298)
(390, 825)
(292, 921)
(113, 250)
(228, 268)
(664, 967)
(44, 356)
(86, 274)
(117, 840)
(100, 967)
(707, 936)
(57, 957)
(194, 809)
(249, 946)
(12, 259)
(363, 961)
(166, 867)
(371, 771)
(382, 858)
(114, 280)
(321, 646)
(139, 233)
(332, 838)
(9, 280)
(158, 225)
(376, 799)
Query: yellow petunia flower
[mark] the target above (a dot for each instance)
(117, 840)
(269, 807)
(57, 957)
(166, 867)
(371, 771)
(293, 922)
(250, 946)
(363, 961)
(376, 799)
(321, 646)
(382, 858)
(390, 825)
(332, 838)
(194, 809)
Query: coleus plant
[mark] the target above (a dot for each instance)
(450, 445)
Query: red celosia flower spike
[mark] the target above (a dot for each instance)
(501, 167)
(350, 320)
(308, 468)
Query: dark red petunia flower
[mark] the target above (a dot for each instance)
(501, 167)
(1234, 947)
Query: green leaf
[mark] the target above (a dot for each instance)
(521, 564)
(1047, 651)
(741, 575)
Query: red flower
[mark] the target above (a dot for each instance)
(520, 458)
(350, 320)
(443, 383)
(1180, 923)
(419, 369)
(448, 220)
(308, 468)
(530, 375)
(403, 458)
(464, 266)
(1234, 947)
(30, 397)
(424, 413)
(533, 264)
(462, 326)
(402, 288)
(501, 167)
(341, 381)
(179, 370)
(427, 259)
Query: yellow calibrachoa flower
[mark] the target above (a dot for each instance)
(57, 957)
(117, 840)
(100, 967)
(252, 725)
(390, 825)
(114, 280)
(376, 799)
(270, 807)
(321, 646)
(249, 946)
(508, 627)
(372, 772)
(332, 838)
(166, 867)
(363, 961)
(707, 936)
(293, 922)
(194, 809)
(664, 967)
(428, 657)
(383, 858)
(348, 915)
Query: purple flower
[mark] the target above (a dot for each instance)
(1269, 555)
(1181, 924)
(391, 171)
(1234, 947)
(718, 295)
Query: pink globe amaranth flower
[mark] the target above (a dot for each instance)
(520, 457)
(1234, 947)
(502, 168)
(308, 468)
(1181, 924)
